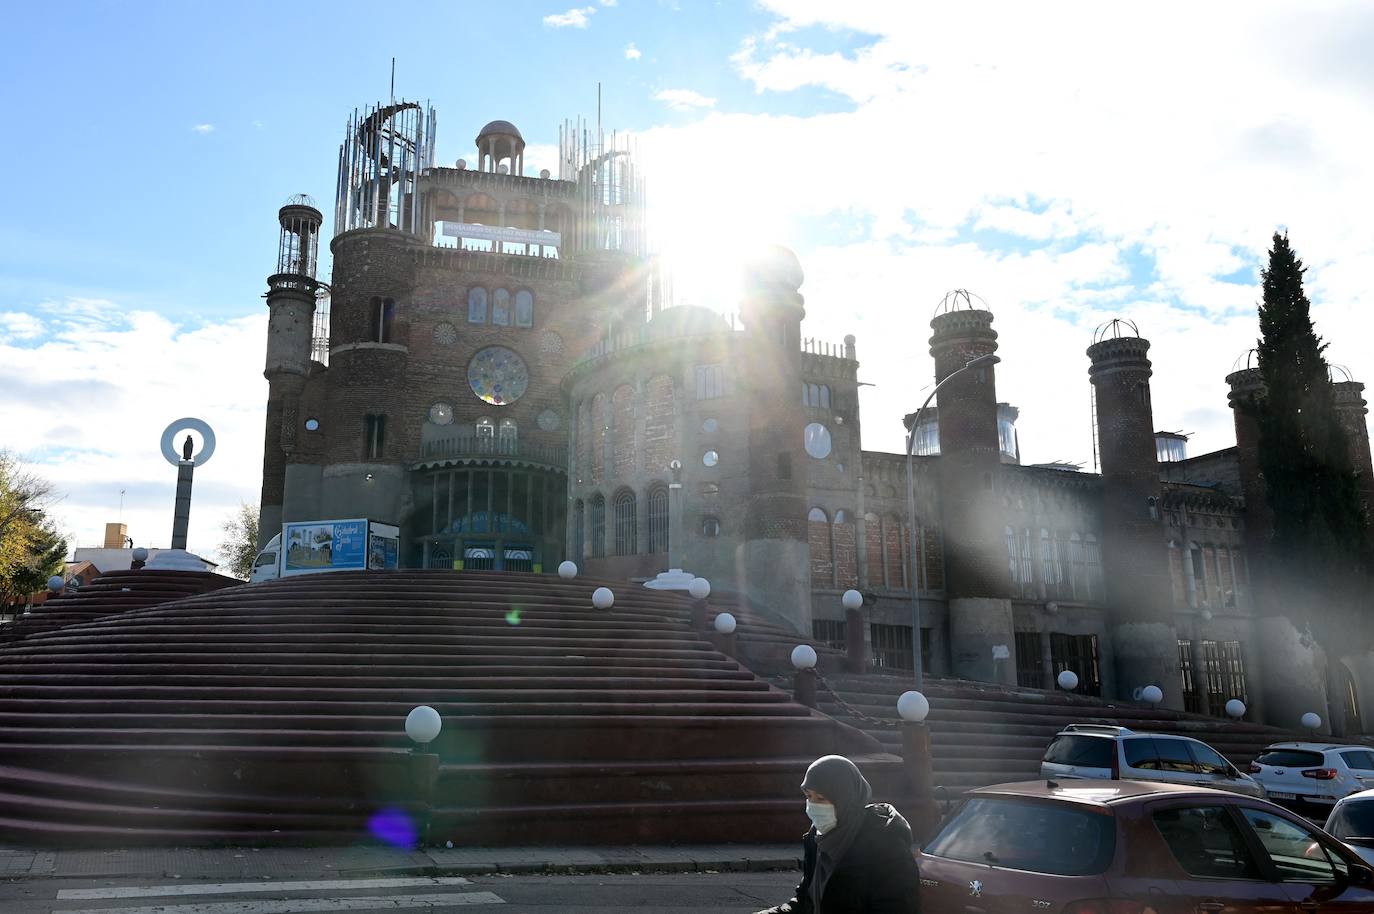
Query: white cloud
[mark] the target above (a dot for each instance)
(579, 17)
(20, 325)
(1052, 164)
(684, 99)
(94, 388)
(609, 2)
(203, 129)
(632, 52)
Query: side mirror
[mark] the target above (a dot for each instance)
(1361, 875)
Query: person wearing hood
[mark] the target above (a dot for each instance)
(857, 857)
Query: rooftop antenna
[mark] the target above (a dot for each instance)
(393, 80)
(121, 506)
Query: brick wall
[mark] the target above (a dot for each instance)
(623, 431)
(660, 423)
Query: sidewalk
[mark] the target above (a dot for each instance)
(314, 862)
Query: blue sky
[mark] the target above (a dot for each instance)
(1069, 166)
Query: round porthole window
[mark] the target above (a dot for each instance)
(441, 414)
(710, 426)
(816, 438)
(312, 425)
(549, 420)
(710, 458)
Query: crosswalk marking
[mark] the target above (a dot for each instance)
(309, 905)
(238, 888)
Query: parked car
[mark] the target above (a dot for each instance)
(1352, 820)
(1131, 847)
(1099, 751)
(1308, 776)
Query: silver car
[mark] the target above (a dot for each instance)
(1352, 821)
(1099, 751)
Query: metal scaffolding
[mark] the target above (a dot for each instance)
(386, 149)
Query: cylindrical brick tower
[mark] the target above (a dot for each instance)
(1246, 386)
(1351, 410)
(291, 306)
(1135, 554)
(773, 561)
(977, 579)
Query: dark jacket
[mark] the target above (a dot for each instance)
(876, 876)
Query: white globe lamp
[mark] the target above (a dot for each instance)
(803, 657)
(55, 582)
(1311, 721)
(1235, 709)
(700, 588)
(423, 725)
(725, 623)
(1152, 694)
(140, 554)
(1068, 680)
(602, 598)
(567, 569)
(852, 599)
(913, 706)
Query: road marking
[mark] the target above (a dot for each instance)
(308, 905)
(238, 888)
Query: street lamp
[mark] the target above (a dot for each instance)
(982, 361)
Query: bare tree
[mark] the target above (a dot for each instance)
(22, 492)
(240, 544)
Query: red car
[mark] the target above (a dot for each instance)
(1131, 847)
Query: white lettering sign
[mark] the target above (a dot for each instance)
(501, 233)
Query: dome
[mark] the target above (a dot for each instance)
(774, 267)
(687, 320)
(505, 128)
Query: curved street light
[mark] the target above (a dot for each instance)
(982, 361)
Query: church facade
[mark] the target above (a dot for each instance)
(501, 375)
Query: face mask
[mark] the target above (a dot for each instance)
(822, 815)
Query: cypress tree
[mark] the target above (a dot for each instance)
(1319, 550)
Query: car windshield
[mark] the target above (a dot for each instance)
(1081, 751)
(1353, 819)
(1289, 758)
(1061, 839)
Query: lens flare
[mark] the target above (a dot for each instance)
(394, 827)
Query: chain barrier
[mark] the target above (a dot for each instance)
(854, 712)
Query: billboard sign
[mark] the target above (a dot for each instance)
(324, 545)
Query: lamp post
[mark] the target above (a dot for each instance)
(982, 361)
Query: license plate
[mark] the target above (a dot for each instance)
(1275, 795)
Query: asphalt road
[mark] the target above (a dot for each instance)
(739, 893)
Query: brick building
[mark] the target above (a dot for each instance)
(500, 375)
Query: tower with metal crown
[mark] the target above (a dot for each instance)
(291, 292)
(1135, 559)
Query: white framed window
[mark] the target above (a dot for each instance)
(711, 382)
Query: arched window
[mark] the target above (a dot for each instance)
(500, 308)
(524, 308)
(873, 550)
(818, 538)
(485, 428)
(383, 311)
(1051, 563)
(710, 527)
(1198, 570)
(477, 305)
(507, 432)
(598, 526)
(825, 396)
(579, 530)
(1093, 559)
(625, 529)
(1078, 567)
(658, 518)
(845, 549)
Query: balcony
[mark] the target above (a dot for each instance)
(461, 448)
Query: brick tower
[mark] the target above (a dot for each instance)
(1351, 410)
(977, 579)
(291, 306)
(773, 561)
(1134, 550)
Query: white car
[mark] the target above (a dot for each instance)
(1308, 775)
(1118, 753)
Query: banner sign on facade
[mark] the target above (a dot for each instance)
(339, 545)
(501, 233)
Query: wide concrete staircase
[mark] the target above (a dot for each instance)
(982, 733)
(274, 713)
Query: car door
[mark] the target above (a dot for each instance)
(1314, 873)
(1217, 870)
(1176, 763)
(1216, 771)
(1361, 765)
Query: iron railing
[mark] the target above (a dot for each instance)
(465, 446)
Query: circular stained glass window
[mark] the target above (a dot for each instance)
(441, 414)
(498, 376)
(710, 426)
(551, 343)
(445, 334)
(817, 440)
(312, 425)
(549, 420)
(710, 458)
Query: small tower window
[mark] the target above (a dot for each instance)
(598, 526)
(710, 381)
(486, 428)
(500, 308)
(658, 518)
(508, 432)
(626, 532)
(710, 527)
(383, 311)
(374, 436)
